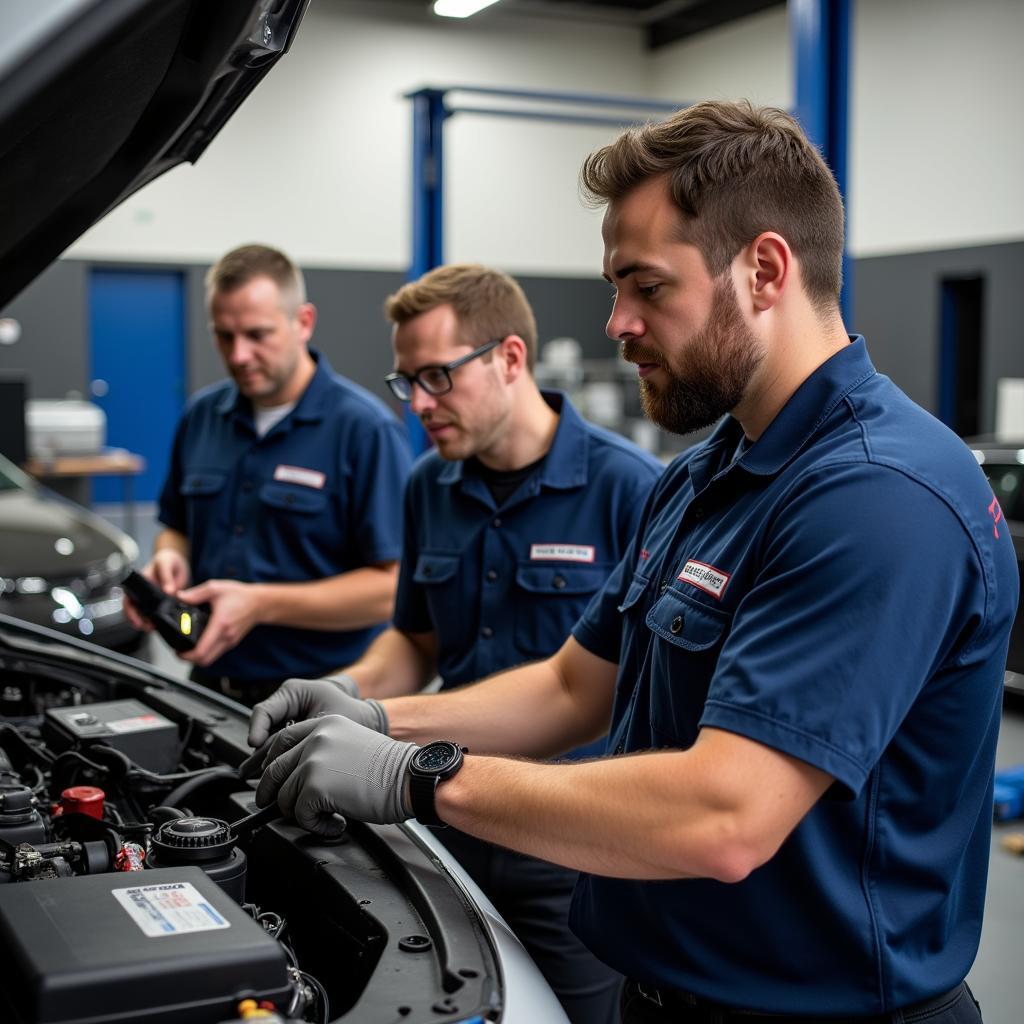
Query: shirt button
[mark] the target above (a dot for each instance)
(239, 529)
(559, 582)
(428, 570)
(491, 575)
(246, 485)
(677, 624)
(698, 512)
(663, 588)
(487, 632)
(289, 499)
(496, 523)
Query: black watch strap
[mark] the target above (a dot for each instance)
(421, 795)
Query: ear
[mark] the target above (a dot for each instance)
(511, 354)
(766, 266)
(305, 317)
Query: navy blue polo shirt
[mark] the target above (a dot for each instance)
(318, 495)
(502, 587)
(841, 592)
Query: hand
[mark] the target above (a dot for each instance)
(299, 699)
(333, 766)
(234, 610)
(169, 570)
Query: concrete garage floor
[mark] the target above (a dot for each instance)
(996, 977)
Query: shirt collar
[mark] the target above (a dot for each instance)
(810, 405)
(565, 464)
(311, 403)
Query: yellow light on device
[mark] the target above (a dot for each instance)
(185, 625)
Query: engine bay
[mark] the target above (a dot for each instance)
(139, 882)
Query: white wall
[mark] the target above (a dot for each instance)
(937, 142)
(749, 58)
(318, 159)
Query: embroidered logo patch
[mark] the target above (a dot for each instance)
(298, 475)
(561, 552)
(705, 577)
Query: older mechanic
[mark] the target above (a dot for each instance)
(283, 499)
(512, 523)
(801, 654)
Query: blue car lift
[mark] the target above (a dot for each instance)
(820, 32)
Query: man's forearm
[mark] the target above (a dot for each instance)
(395, 664)
(717, 810)
(173, 540)
(539, 710)
(351, 600)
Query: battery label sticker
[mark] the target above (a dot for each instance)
(138, 723)
(176, 908)
(561, 552)
(705, 577)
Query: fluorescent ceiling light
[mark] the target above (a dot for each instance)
(460, 8)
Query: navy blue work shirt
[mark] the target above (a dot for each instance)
(318, 495)
(501, 587)
(842, 592)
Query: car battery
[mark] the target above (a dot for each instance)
(148, 738)
(165, 946)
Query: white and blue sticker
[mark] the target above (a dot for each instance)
(175, 908)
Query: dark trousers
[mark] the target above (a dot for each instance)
(644, 1005)
(533, 896)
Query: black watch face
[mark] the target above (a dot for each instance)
(435, 757)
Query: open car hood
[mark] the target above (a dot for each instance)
(99, 97)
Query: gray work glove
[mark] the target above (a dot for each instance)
(300, 699)
(329, 767)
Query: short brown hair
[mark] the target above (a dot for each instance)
(488, 303)
(242, 265)
(734, 170)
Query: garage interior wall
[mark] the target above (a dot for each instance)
(318, 161)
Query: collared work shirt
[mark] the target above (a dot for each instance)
(842, 592)
(318, 495)
(501, 587)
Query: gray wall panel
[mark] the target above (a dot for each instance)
(896, 305)
(897, 308)
(54, 318)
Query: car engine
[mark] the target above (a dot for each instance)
(138, 881)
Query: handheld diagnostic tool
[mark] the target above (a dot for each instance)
(178, 623)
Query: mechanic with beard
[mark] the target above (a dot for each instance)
(801, 654)
(283, 498)
(512, 523)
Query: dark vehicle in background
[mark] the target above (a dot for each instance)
(61, 565)
(136, 887)
(1003, 463)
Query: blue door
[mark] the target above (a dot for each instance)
(137, 340)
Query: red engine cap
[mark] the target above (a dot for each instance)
(83, 800)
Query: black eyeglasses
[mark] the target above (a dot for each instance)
(435, 380)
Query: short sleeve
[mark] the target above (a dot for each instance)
(868, 584)
(378, 468)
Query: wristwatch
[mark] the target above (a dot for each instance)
(431, 764)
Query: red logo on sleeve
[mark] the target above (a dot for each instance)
(997, 514)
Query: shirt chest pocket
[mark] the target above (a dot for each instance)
(438, 574)
(202, 485)
(278, 498)
(686, 641)
(549, 599)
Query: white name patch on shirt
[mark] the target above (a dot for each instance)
(705, 577)
(561, 552)
(298, 475)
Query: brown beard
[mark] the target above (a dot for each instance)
(713, 372)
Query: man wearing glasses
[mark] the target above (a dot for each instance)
(512, 523)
